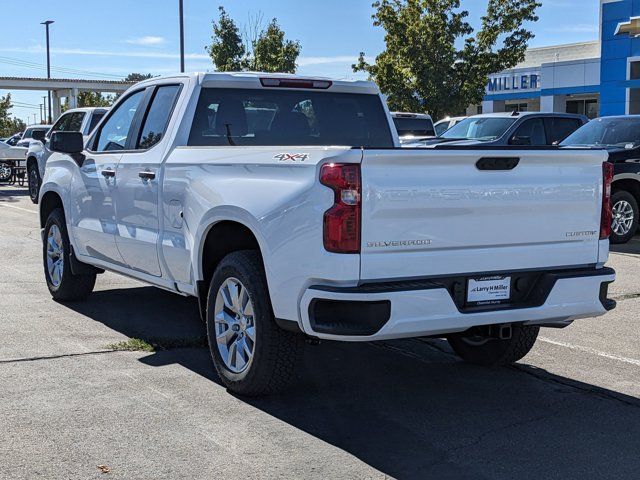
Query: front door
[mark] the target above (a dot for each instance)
(93, 208)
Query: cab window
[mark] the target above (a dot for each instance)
(157, 118)
(115, 131)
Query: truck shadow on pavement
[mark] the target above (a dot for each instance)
(12, 194)
(409, 408)
(631, 248)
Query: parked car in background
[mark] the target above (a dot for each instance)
(13, 140)
(620, 136)
(82, 120)
(446, 123)
(8, 157)
(31, 133)
(413, 126)
(285, 205)
(514, 129)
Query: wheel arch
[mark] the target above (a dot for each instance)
(627, 183)
(49, 202)
(220, 238)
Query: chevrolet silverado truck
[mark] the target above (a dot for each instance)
(286, 206)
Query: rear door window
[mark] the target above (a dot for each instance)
(157, 118)
(289, 118)
(560, 128)
(533, 130)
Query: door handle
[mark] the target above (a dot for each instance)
(107, 172)
(147, 175)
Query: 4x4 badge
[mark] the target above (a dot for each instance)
(291, 157)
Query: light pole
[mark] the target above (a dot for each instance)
(44, 105)
(181, 37)
(46, 24)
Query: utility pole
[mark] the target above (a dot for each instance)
(46, 24)
(41, 116)
(181, 36)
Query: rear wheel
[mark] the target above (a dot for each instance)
(5, 172)
(34, 182)
(252, 355)
(624, 217)
(63, 284)
(484, 345)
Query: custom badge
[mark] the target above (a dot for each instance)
(291, 157)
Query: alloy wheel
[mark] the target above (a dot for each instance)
(5, 172)
(234, 325)
(55, 256)
(622, 218)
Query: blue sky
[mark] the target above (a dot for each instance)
(116, 37)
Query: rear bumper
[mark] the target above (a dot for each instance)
(432, 307)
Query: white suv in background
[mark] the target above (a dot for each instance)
(413, 126)
(82, 120)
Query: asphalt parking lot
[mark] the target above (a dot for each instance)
(70, 407)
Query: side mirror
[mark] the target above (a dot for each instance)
(39, 135)
(516, 140)
(66, 142)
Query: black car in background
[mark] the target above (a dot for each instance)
(502, 129)
(620, 136)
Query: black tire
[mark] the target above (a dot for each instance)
(624, 196)
(34, 180)
(493, 351)
(276, 352)
(71, 287)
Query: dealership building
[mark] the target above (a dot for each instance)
(596, 78)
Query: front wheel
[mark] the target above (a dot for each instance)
(34, 182)
(6, 171)
(483, 346)
(624, 217)
(252, 355)
(63, 284)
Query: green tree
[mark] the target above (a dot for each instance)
(137, 77)
(9, 125)
(227, 51)
(432, 61)
(91, 99)
(272, 53)
(262, 49)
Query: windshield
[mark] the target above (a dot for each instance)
(479, 128)
(415, 127)
(607, 132)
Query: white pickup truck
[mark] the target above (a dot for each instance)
(285, 205)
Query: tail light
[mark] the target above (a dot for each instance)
(606, 217)
(342, 221)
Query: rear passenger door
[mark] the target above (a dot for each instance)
(137, 192)
(559, 128)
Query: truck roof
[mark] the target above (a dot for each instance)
(255, 80)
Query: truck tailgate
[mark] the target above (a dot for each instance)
(434, 212)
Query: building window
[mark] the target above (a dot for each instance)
(583, 107)
(516, 107)
(634, 71)
(634, 101)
